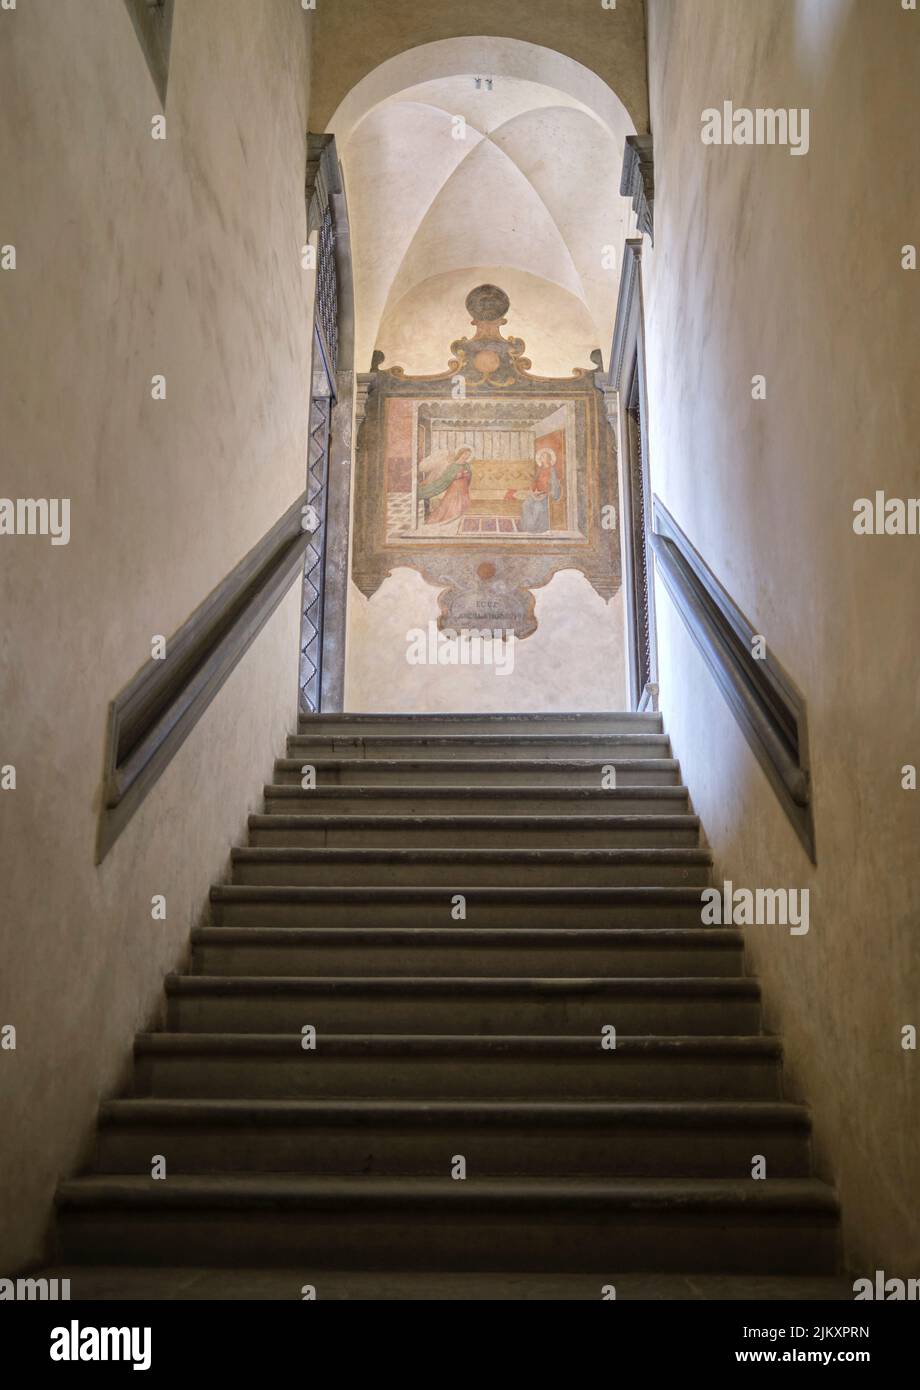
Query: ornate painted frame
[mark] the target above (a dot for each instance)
(487, 576)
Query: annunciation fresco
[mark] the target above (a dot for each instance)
(486, 479)
(487, 468)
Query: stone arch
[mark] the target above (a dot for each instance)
(548, 141)
(609, 43)
(499, 56)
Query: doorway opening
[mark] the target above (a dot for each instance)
(627, 378)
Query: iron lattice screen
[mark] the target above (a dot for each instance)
(327, 294)
(311, 639)
(326, 344)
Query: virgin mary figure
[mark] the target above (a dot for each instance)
(535, 500)
(445, 487)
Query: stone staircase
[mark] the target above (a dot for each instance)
(440, 1037)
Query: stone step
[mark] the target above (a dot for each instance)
(395, 1065)
(679, 1225)
(139, 1283)
(243, 905)
(482, 772)
(563, 803)
(498, 1138)
(440, 747)
(473, 832)
(486, 1037)
(399, 1004)
(475, 867)
(600, 723)
(442, 951)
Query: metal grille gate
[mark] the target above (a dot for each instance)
(325, 346)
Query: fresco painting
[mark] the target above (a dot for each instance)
(505, 470)
(486, 478)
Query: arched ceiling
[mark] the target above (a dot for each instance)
(529, 194)
(354, 40)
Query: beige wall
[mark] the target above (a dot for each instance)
(574, 661)
(135, 257)
(354, 36)
(791, 267)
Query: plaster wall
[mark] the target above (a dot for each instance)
(790, 267)
(556, 327)
(574, 661)
(135, 257)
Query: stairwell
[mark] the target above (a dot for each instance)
(439, 1037)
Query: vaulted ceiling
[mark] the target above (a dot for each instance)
(450, 184)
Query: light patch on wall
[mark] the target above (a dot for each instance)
(818, 27)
